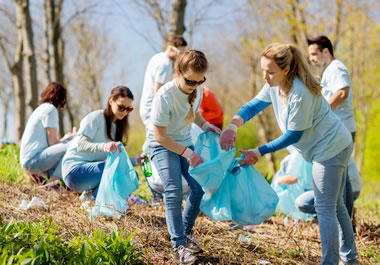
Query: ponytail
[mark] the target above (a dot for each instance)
(190, 116)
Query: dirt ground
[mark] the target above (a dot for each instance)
(271, 241)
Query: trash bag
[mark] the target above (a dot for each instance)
(118, 181)
(295, 165)
(232, 192)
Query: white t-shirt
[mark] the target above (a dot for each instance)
(159, 70)
(334, 78)
(169, 109)
(93, 126)
(34, 139)
(324, 135)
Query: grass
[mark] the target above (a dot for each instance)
(63, 234)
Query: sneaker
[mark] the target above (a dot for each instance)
(356, 263)
(86, 196)
(184, 256)
(192, 244)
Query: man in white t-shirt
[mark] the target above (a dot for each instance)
(336, 83)
(336, 88)
(158, 72)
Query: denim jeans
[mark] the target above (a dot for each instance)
(305, 202)
(49, 160)
(85, 177)
(335, 227)
(171, 167)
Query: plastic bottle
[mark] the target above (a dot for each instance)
(147, 167)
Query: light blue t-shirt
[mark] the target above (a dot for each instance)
(34, 139)
(334, 78)
(324, 136)
(169, 109)
(159, 70)
(93, 126)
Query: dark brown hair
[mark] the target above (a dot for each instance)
(322, 42)
(54, 93)
(122, 126)
(176, 41)
(197, 62)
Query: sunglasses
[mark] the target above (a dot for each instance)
(122, 108)
(194, 83)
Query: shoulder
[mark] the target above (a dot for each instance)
(46, 109)
(334, 67)
(167, 89)
(298, 90)
(97, 115)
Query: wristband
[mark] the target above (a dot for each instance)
(257, 152)
(205, 125)
(187, 153)
(231, 126)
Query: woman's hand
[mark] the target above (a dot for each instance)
(206, 126)
(228, 137)
(251, 156)
(193, 158)
(70, 135)
(112, 147)
(140, 159)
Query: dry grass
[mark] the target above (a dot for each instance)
(271, 241)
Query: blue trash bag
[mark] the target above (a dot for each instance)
(232, 192)
(295, 165)
(118, 181)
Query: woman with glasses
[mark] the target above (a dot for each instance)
(174, 108)
(41, 150)
(98, 134)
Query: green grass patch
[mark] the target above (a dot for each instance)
(40, 243)
(10, 169)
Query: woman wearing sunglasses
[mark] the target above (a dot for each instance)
(99, 134)
(174, 108)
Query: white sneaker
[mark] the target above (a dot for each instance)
(192, 244)
(184, 256)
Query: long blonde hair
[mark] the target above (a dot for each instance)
(196, 61)
(288, 55)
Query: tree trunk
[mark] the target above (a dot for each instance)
(30, 64)
(264, 129)
(56, 52)
(17, 78)
(177, 19)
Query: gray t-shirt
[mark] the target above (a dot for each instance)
(159, 70)
(334, 78)
(34, 139)
(93, 126)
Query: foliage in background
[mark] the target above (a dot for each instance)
(10, 169)
(40, 243)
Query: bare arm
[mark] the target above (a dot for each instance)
(51, 133)
(339, 97)
(199, 120)
(237, 120)
(166, 141)
(157, 87)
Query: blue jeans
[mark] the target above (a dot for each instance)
(85, 177)
(335, 227)
(171, 167)
(305, 202)
(50, 160)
